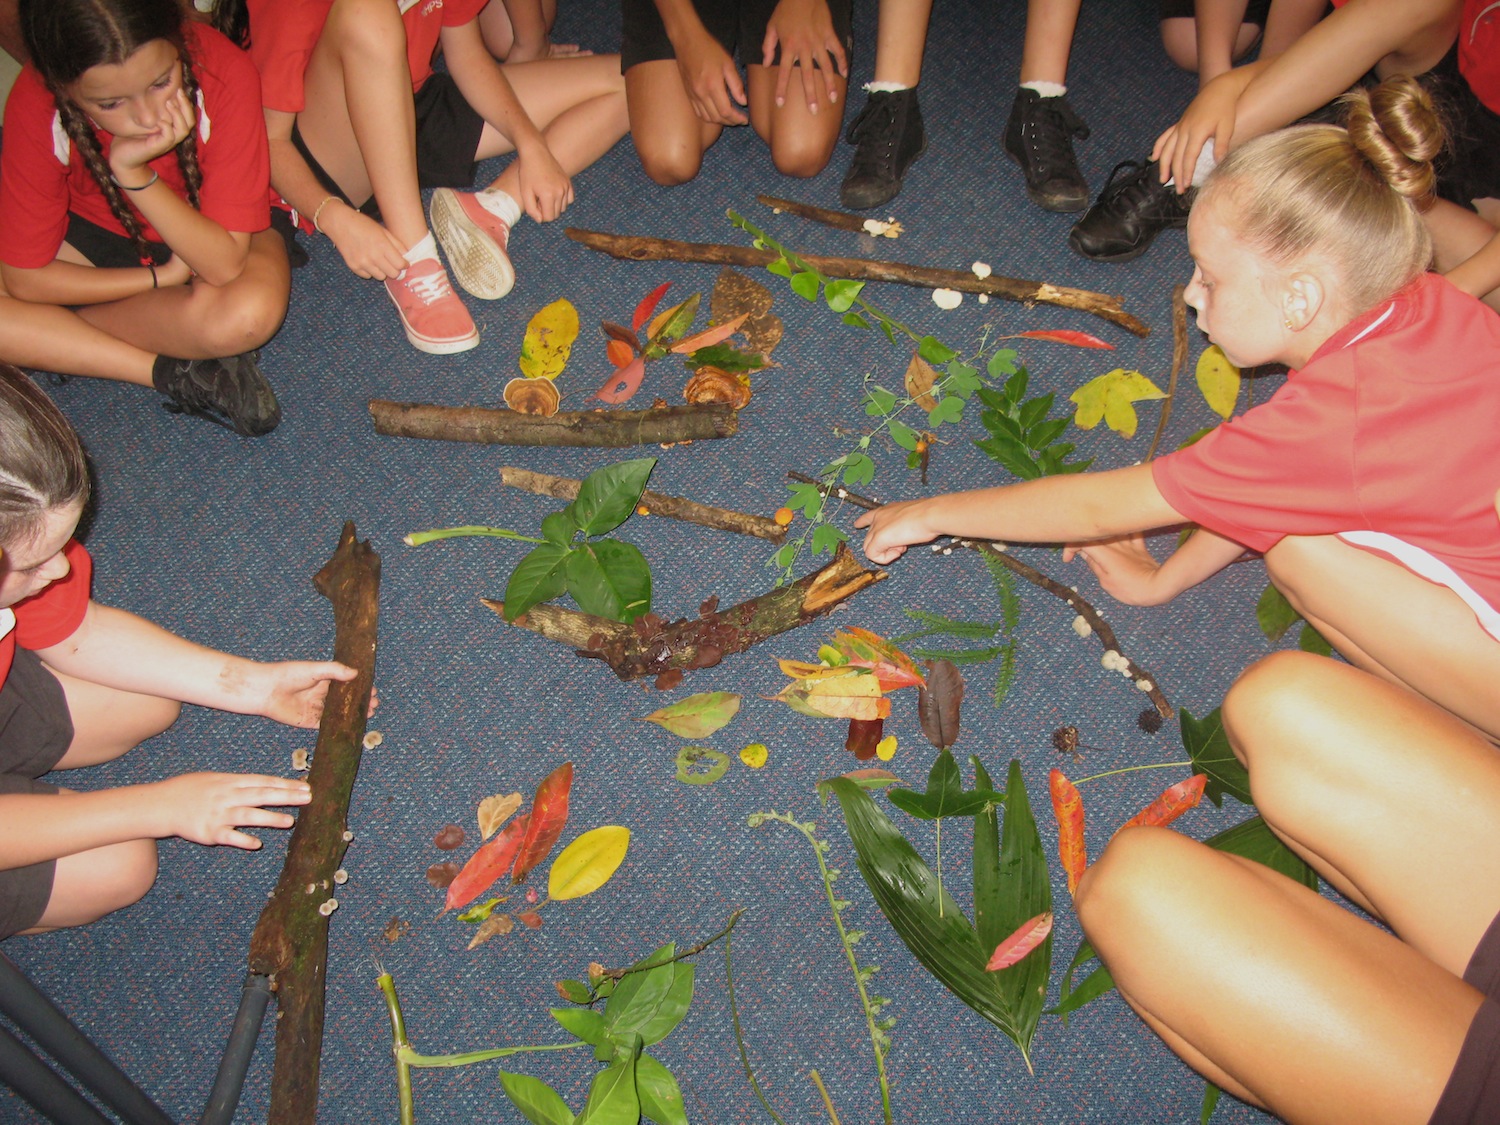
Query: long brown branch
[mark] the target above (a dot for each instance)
(290, 942)
(1179, 357)
(1079, 604)
(642, 249)
(655, 503)
(839, 220)
(612, 429)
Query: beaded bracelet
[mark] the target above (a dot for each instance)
(319, 211)
(127, 187)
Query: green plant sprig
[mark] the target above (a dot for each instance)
(879, 1028)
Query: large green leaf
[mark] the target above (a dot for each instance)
(612, 1095)
(923, 915)
(538, 1102)
(610, 579)
(945, 794)
(1026, 892)
(1208, 746)
(584, 1023)
(661, 1099)
(607, 496)
(988, 889)
(1275, 614)
(651, 1003)
(539, 577)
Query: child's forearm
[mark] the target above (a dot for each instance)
(216, 255)
(1055, 509)
(36, 827)
(485, 87)
(65, 283)
(1203, 555)
(1479, 275)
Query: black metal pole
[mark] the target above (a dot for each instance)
(224, 1098)
(39, 1084)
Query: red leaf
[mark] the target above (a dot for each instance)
(622, 383)
(1066, 336)
(619, 353)
(648, 305)
(549, 815)
(1175, 801)
(486, 865)
(1067, 804)
(864, 736)
(709, 336)
(1031, 934)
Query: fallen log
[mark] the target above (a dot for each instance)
(290, 942)
(652, 647)
(637, 248)
(655, 503)
(610, 429)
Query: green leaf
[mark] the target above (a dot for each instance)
(841, 294)
(855, 320)
(1198, 435)
(612, 1096)
(923, 915)
(1208, 746)
(1034, 410)
(826, 539)
(581, 1023)
(963, 379)
(1210, 1102)
(726, 357)
(1023, 874)
(538, 1102)
(1015, 386)
(1007, 674)
(610, 579)
(784, 555)
(879, 401)
(479, 911)
(958, 656)
(661, 1099)
(937, 623)
(608, 495)
(888, 328)
(934, 350)
(576, 991)
(1003, 363)
(539, 577)
(697, 716)
(698, 765)
(1012, 455)
(1042, 435)
(653, 1002)
(557, 528)
(780, 267)
(805, 498)
(1310, 640)
(859, 470)
(989, 891)
(902, 434)
(1275, 614)
(805, 285)
(945, 794)
(948, 409)
(1003, 425)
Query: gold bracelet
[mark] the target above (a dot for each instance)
(326, 201)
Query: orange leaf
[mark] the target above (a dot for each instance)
(619, 352)
(709, 336)
(1066, 336)
(1173, 802)
(1031, 934)
(892, 667)
(648, 305)
(549, 815)
(623, 382)
(486, 865)
(1067, 804)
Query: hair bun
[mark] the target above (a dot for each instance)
(1395, 127)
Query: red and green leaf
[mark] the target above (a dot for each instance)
(488, 864)
(648, 305)
(1031, 934)
(549, 815)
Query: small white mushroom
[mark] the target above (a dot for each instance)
(311, 887)
(981, 270)
(947, 298)
(300, 761)
(1144, 685)
(341, 876)
(348, 835)
(984, 298)
(1081, 626)
(373, 739)
(328, 906)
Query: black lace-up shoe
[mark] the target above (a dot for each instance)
(1133, 209)
(888, 136)
(1039, 137)
(229, 392)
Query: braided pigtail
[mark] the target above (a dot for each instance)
(81, 133)
(187, 149)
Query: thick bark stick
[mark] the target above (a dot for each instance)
(641, 249)
(655, 503)
(612, 429)
(290, 942)
(651, 646)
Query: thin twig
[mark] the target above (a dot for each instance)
(739, 1036)
(839, 220)
(621, 974)
(1079, 604)
(1179, 357)
(817, 1078)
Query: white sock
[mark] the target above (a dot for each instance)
(427, 248)
(1046, 89)
(885, 87)
(501, 204)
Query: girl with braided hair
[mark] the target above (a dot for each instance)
(135, 230)
(1368, 479)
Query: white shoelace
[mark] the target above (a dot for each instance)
(430, 287)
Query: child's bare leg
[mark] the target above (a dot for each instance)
(668, 136)
(108, 723)
(1049, 40)
(52, 338)
(1389, 622)
(91, 884)
(801, 141)
(202, 321)
(578, 104)
(900, 40)
(359, 119)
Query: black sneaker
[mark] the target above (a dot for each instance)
(1039, 137)
(229, 392)
(1133, 208)
(888, 134)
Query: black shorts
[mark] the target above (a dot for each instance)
(1472, 1096)
(35, 732)
(1255, 11)
(738, 25)
(1469, 167)
(448, 133)
(110, 250)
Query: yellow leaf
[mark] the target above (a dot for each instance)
(754, 755)
(1219, 380)
(885, 749)
(849, 696)
(549, 339)
(587, 863)
(1110, 397)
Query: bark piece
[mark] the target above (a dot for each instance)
(637, 248)
(290, 942)
(612, 429)
(1179, 357)
(655, 503)
(650, 646)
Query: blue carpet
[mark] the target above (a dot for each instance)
(216, 538)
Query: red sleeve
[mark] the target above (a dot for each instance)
(283, 34)
(456, 13)
(33, 182)
(52, 616)
(234, 157)
(1284, 468)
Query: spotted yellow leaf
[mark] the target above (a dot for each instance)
(1110, 397)
(1219, 380)
(755, 755)
(549, 340)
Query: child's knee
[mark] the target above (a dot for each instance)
(1133, 884)
(92, 884)
(801, 155)
(1268, 704)
(671, 165)
(245, 322)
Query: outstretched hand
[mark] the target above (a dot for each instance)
(804, 31)
(210, 808)
(891, 528)
(294, 690)
(1125, 568)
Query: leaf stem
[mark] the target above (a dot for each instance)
(1132, 769)
(465, 1058)
(417, 538)
(398, 1044)
(739, 1037)
(833, 1117)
